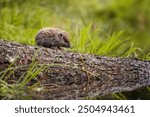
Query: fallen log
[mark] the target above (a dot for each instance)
(73, 75)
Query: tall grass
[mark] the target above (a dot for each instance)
(95, 41)
(20, 89)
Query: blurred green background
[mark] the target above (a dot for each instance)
(92, 24)
(119, 28)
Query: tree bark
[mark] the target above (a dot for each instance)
(73, 75)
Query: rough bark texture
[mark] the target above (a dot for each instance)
(77, 76)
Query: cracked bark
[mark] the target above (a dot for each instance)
(75, 75)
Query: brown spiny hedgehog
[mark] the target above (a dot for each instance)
(52, 37)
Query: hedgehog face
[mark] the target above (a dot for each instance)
(64, 39)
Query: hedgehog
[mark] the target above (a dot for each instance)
(52, 38)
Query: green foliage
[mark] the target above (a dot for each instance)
(19, 89)
(96, 41)
(119, 96)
